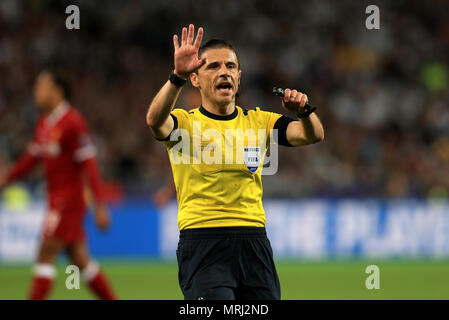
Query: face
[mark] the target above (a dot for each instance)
(44, 90)
(218, 79)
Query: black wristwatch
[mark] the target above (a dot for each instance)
(309, 109)
(176, 80)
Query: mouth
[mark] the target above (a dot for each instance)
(224, 87)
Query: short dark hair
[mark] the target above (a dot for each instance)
(217, 44)
(60, 80)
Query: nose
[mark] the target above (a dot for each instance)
(224, 71)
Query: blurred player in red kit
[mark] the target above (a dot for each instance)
(62, 143)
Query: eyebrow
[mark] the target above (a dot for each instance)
(212, 63)
(216, 62)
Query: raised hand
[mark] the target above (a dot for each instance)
(186, 55)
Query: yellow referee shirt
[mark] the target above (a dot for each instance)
(216, 163)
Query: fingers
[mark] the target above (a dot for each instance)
(187, 37)
(184, 36)
(294, 96)
(303, 100)
(201, 62)
(287, 93)
(190, 34)
(199, 38)
(175, 42)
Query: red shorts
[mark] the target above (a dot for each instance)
(66, 226)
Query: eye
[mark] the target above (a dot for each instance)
(212, 66)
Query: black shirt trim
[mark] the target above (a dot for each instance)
(175, 126)
(281, 125)
(219, 117)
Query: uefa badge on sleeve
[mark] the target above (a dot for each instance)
(252, 157)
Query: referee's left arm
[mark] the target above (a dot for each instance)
(306, 130)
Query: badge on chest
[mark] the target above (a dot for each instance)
(252, 157)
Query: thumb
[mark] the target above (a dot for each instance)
(201, 62)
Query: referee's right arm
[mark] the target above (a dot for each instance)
(186, 61)
(158, 113)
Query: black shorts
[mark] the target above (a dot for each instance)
(227, 263)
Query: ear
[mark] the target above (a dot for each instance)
(194, 80)
(240, 75)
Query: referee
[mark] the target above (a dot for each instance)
(223, 252)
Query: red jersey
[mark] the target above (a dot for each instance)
(62, 142)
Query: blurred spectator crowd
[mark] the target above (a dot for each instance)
(382, 95)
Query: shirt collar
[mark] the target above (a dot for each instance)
(219, 117)
(58, 112)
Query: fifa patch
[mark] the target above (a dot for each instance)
(251, 157)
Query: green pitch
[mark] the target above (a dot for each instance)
(299, 280)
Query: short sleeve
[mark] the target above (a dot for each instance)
(183, 118)
(267, 119)
(281, 126)
(181, 121)
(278, 122)
(272, 118)
(175, 126)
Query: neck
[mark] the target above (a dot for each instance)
(219, 109)
(52, 106)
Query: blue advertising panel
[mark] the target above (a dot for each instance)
(305, 229)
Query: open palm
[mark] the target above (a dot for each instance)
(186, 55)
